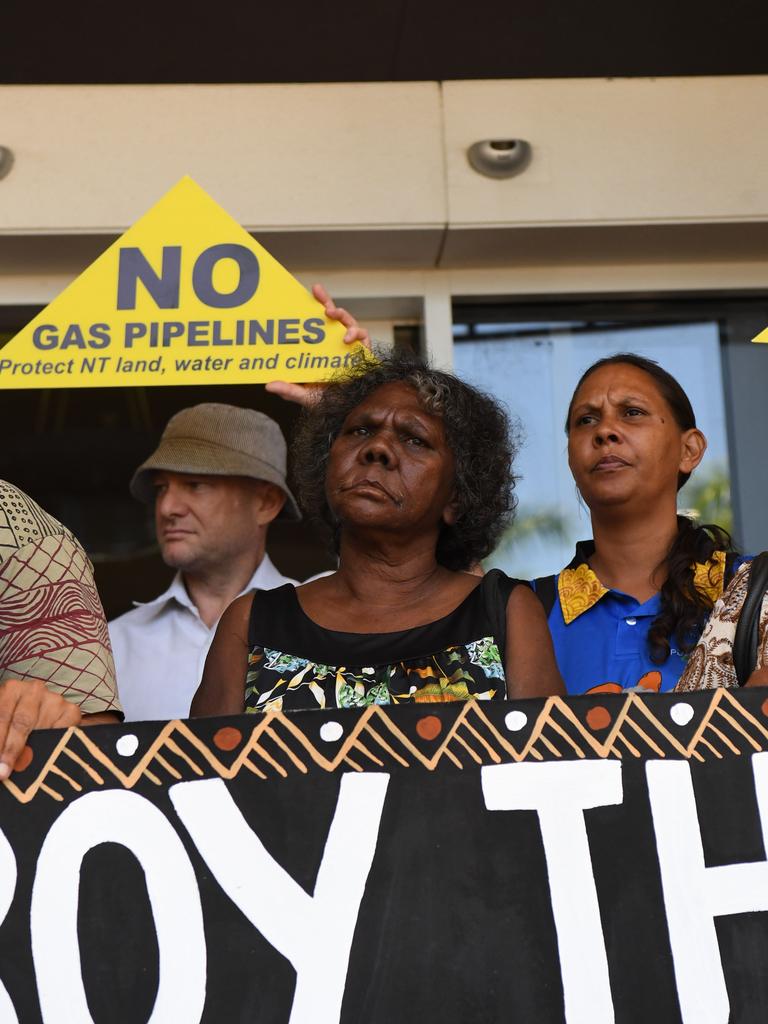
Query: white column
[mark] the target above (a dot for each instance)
(438, 321)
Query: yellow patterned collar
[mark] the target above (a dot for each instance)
(579, 588)
(709, 577)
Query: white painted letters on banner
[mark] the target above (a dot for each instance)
(560, 793)
(694, 894)
(313, 932)
(133, 822)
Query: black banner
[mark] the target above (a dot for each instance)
(587, 860)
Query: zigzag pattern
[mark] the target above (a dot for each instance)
(276, 746)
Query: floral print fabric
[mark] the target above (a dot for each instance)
(711, 662)
(276, 681)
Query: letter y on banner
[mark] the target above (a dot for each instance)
(313, 932)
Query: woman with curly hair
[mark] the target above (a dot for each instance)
(630, 607)
(410, 471)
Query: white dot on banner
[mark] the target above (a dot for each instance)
(127, 745)
(515, 721)
(330, 732)
(681, 714)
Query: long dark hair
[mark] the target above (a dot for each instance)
(684, 608)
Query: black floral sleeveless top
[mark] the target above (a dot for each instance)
(294, 664)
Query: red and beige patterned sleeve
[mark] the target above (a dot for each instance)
(52, 624)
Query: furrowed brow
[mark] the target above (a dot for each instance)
(633, 400)
(583, 407)
(416, 426)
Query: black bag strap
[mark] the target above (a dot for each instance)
(746, 639)
(546, 591)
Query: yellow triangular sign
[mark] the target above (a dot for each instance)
(762, 337)
(185, 296)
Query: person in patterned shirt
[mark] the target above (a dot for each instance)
(711, 662)
(56, 666)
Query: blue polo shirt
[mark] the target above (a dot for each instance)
(600, 636)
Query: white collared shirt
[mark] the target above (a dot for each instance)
(160, 649)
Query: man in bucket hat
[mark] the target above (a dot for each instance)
(217, 480)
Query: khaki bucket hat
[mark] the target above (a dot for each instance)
(220, 440)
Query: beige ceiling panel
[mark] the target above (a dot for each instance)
(664, 150)
(92, 159)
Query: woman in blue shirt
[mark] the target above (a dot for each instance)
(631, 605)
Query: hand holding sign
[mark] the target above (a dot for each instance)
(26, 705)
(305, 394)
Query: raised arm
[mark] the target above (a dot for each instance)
(222, 688)
(531, 668)
(305, 394)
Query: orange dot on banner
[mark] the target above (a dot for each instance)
(24, 760)
(228, 738)
(598, 718)
(764, 707)
(429, 727)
